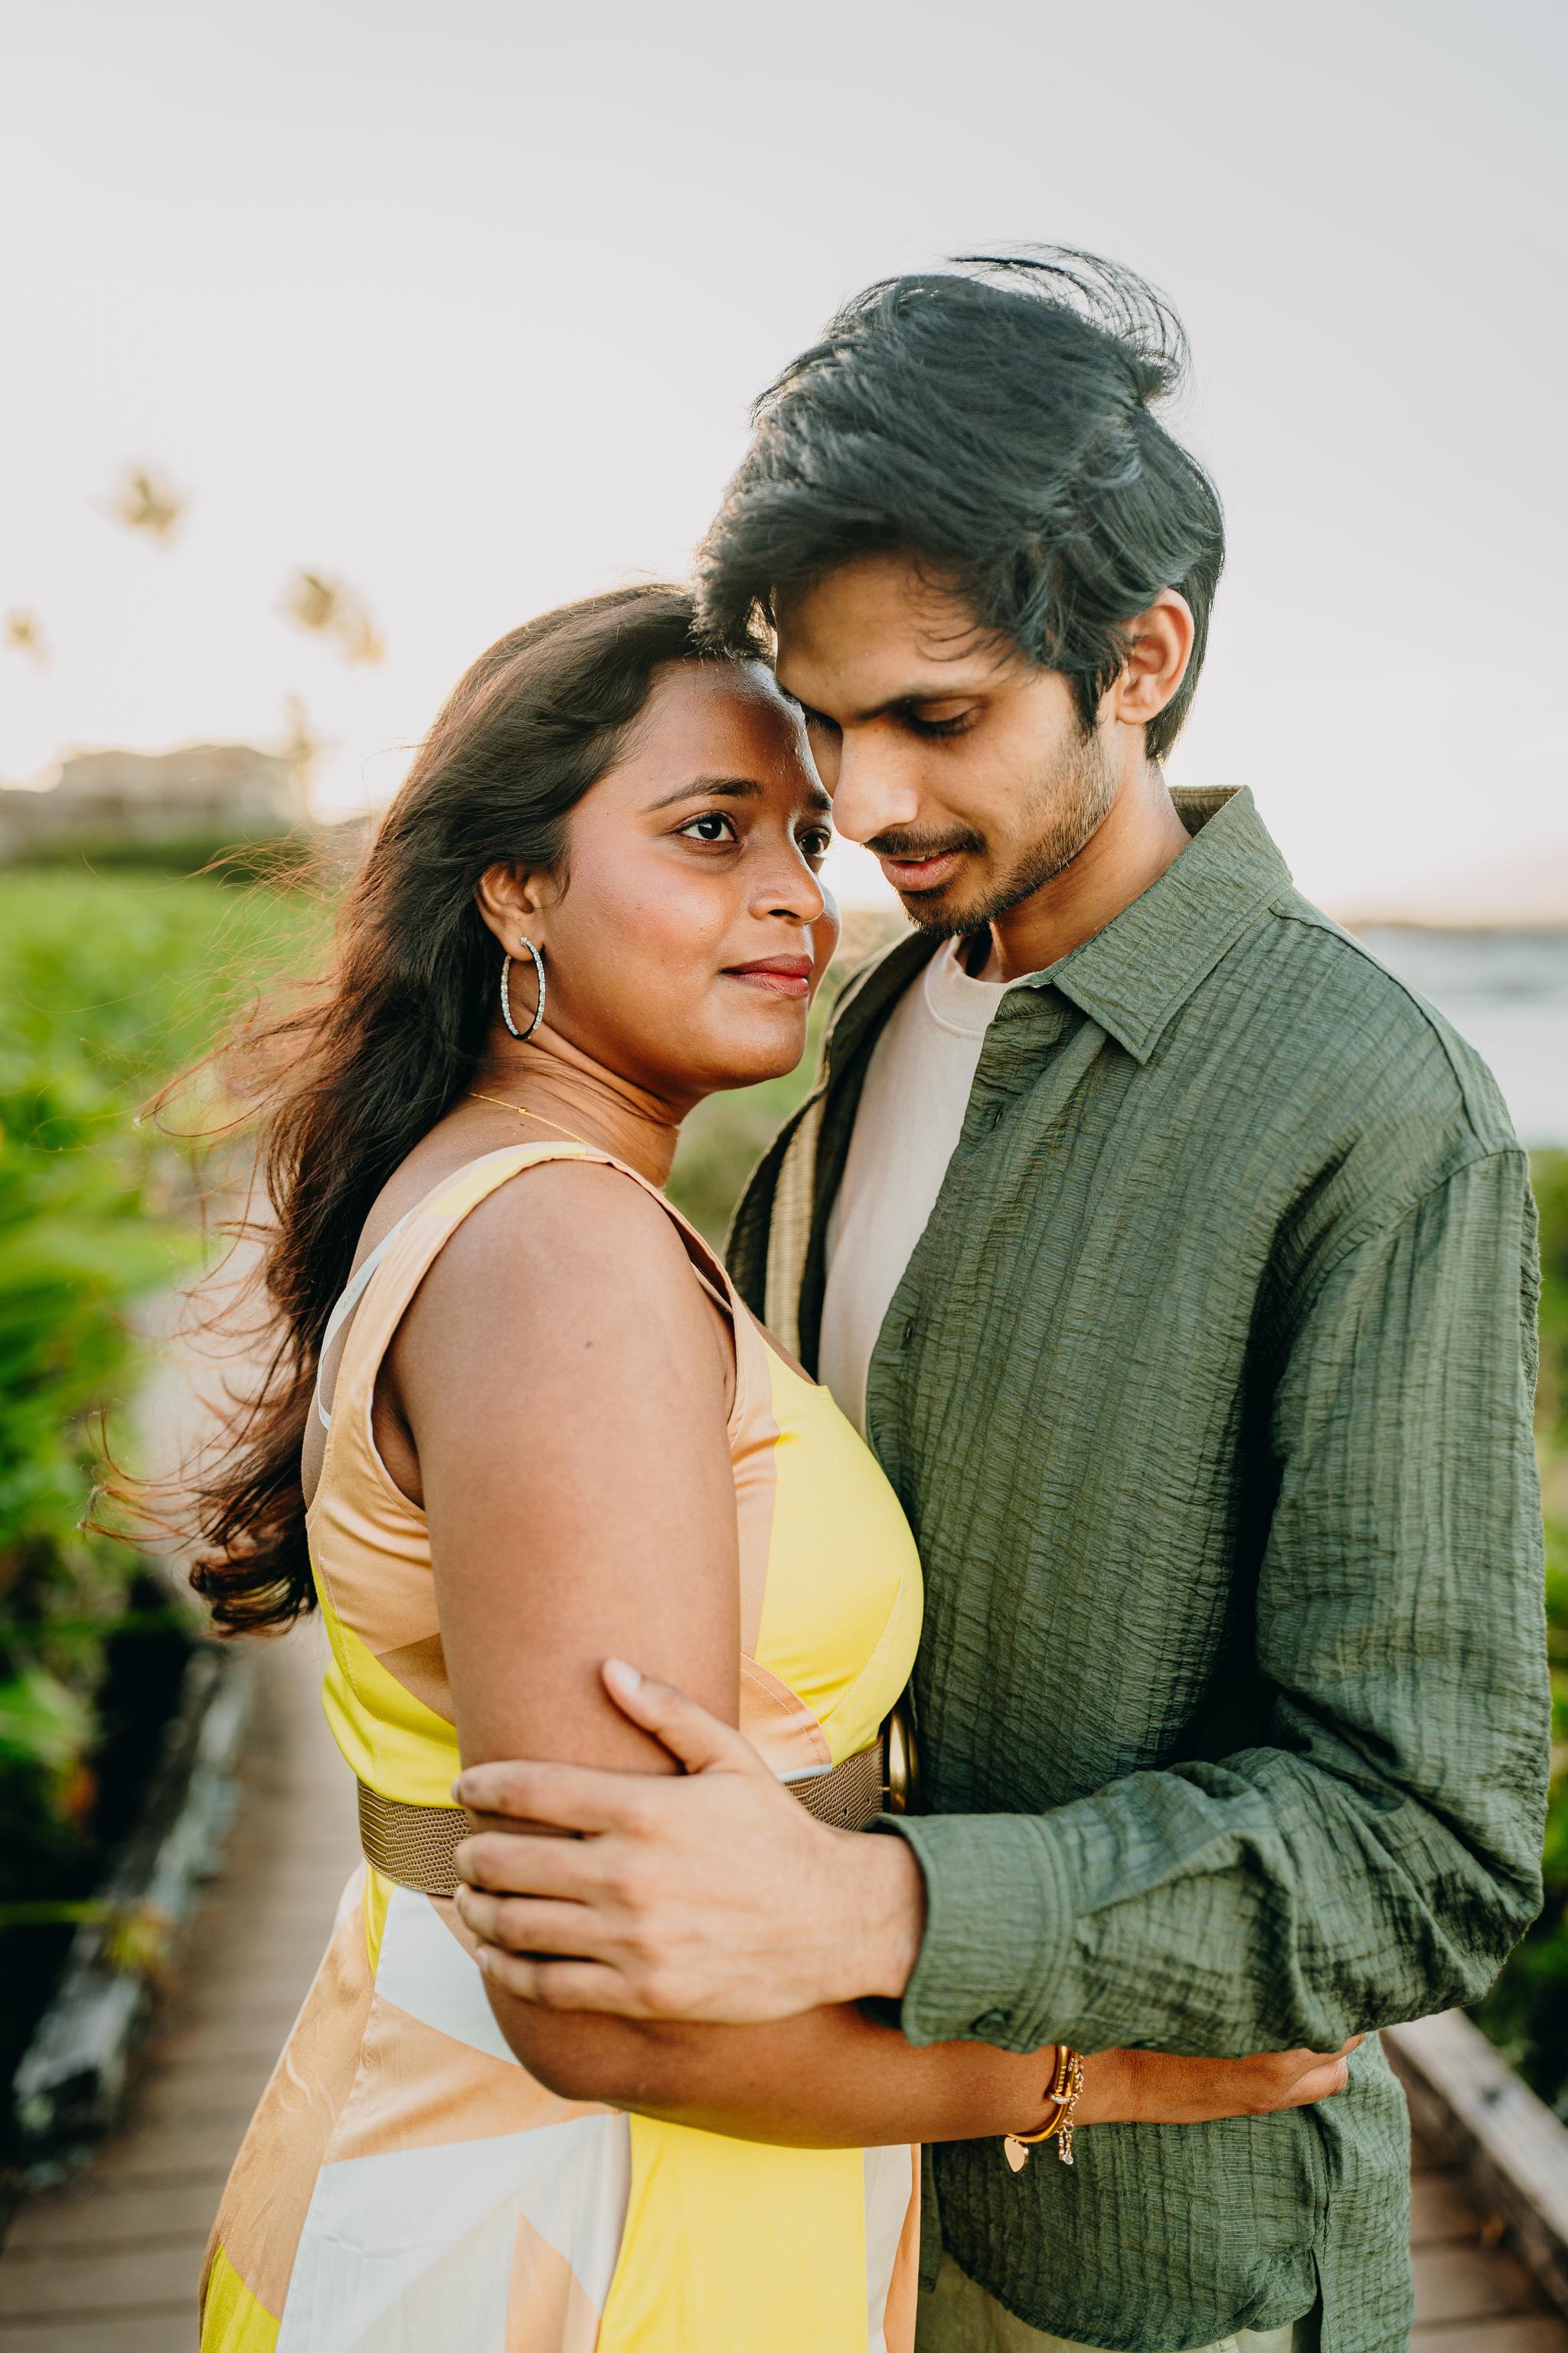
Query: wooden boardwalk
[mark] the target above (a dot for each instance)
(110, 2263)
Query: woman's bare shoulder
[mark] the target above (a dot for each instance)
(568, 1244)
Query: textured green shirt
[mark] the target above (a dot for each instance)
(1207, 1391)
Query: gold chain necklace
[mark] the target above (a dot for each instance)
(523, 1112)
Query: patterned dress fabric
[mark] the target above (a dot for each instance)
(404, 2183)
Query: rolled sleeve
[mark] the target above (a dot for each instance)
(1000, 1911)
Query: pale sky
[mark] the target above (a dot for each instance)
(466, 302)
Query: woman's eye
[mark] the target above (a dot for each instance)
(815, 842)
(711, 825)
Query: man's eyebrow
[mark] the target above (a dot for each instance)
(946, 691)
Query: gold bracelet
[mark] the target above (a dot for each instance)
(1066, 2085)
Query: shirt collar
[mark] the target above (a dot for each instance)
(1135, 976)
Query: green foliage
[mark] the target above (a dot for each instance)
(110, 983)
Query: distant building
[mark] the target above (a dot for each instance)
(212, 793)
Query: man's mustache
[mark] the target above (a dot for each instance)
(902, 842)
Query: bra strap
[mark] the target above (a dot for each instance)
(349, 1299)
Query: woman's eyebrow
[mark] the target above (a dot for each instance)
(738, 788)
(728, 788)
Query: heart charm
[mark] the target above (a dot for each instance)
(1015, 2153)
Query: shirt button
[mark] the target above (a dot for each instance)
(990, 2021)
(908, 1330)
(996, 1115)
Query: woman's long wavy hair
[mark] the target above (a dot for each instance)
(348, 1081)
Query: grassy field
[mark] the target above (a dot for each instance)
(110, 983)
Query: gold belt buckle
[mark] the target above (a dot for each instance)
(902, 1785)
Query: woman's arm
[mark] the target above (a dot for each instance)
(832, 2078)
(564, 1382)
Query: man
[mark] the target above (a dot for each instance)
(1179, 1265)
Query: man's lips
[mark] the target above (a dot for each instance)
(780, 975)
(910, 876)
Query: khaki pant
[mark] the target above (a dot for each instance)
(956, 2316)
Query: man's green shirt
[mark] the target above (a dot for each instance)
(1207, 1392)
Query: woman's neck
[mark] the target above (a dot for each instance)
(569, 1094)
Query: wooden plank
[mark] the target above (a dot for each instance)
(1440, 2212)
(1469, 2105)
(1524, 2332)
(87, 2216)
(173, 2330)
(1470, 2283)
(129, 2281)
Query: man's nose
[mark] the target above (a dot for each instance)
(872, 795)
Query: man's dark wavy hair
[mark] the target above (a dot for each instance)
(995, 420)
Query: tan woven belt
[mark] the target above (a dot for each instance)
(415, 1845)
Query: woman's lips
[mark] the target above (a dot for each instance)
(780, 976)
(912, 875)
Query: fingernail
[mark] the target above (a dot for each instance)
(457, 1790)
(622, 1672)
(483, 1957)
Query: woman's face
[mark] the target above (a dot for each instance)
(685, 940)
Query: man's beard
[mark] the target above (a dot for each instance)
(1070, 804)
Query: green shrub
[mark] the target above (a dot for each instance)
(109, 983)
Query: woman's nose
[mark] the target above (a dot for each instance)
(792, 890)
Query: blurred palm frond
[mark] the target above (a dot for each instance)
(146, 500)
(24, 633)
(331, 608)
(302, 746)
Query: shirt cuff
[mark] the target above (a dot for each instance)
(998, 1943)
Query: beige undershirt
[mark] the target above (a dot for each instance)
(908, 1121)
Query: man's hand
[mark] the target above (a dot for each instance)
(715, 1897)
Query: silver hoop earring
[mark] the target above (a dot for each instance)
(522, 1036)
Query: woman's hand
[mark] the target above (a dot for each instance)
(1151, 2087)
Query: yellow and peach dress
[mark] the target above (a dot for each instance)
(406, 2186)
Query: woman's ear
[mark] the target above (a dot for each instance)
(511, 900)
(1160, 647)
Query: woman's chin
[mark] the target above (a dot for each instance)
(767, 1059)
(767, 1045)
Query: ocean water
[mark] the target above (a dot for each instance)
(1507, 993)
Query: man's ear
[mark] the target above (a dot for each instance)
(512, 900)
(1160, 647)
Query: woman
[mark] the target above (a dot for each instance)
(537, 1431)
